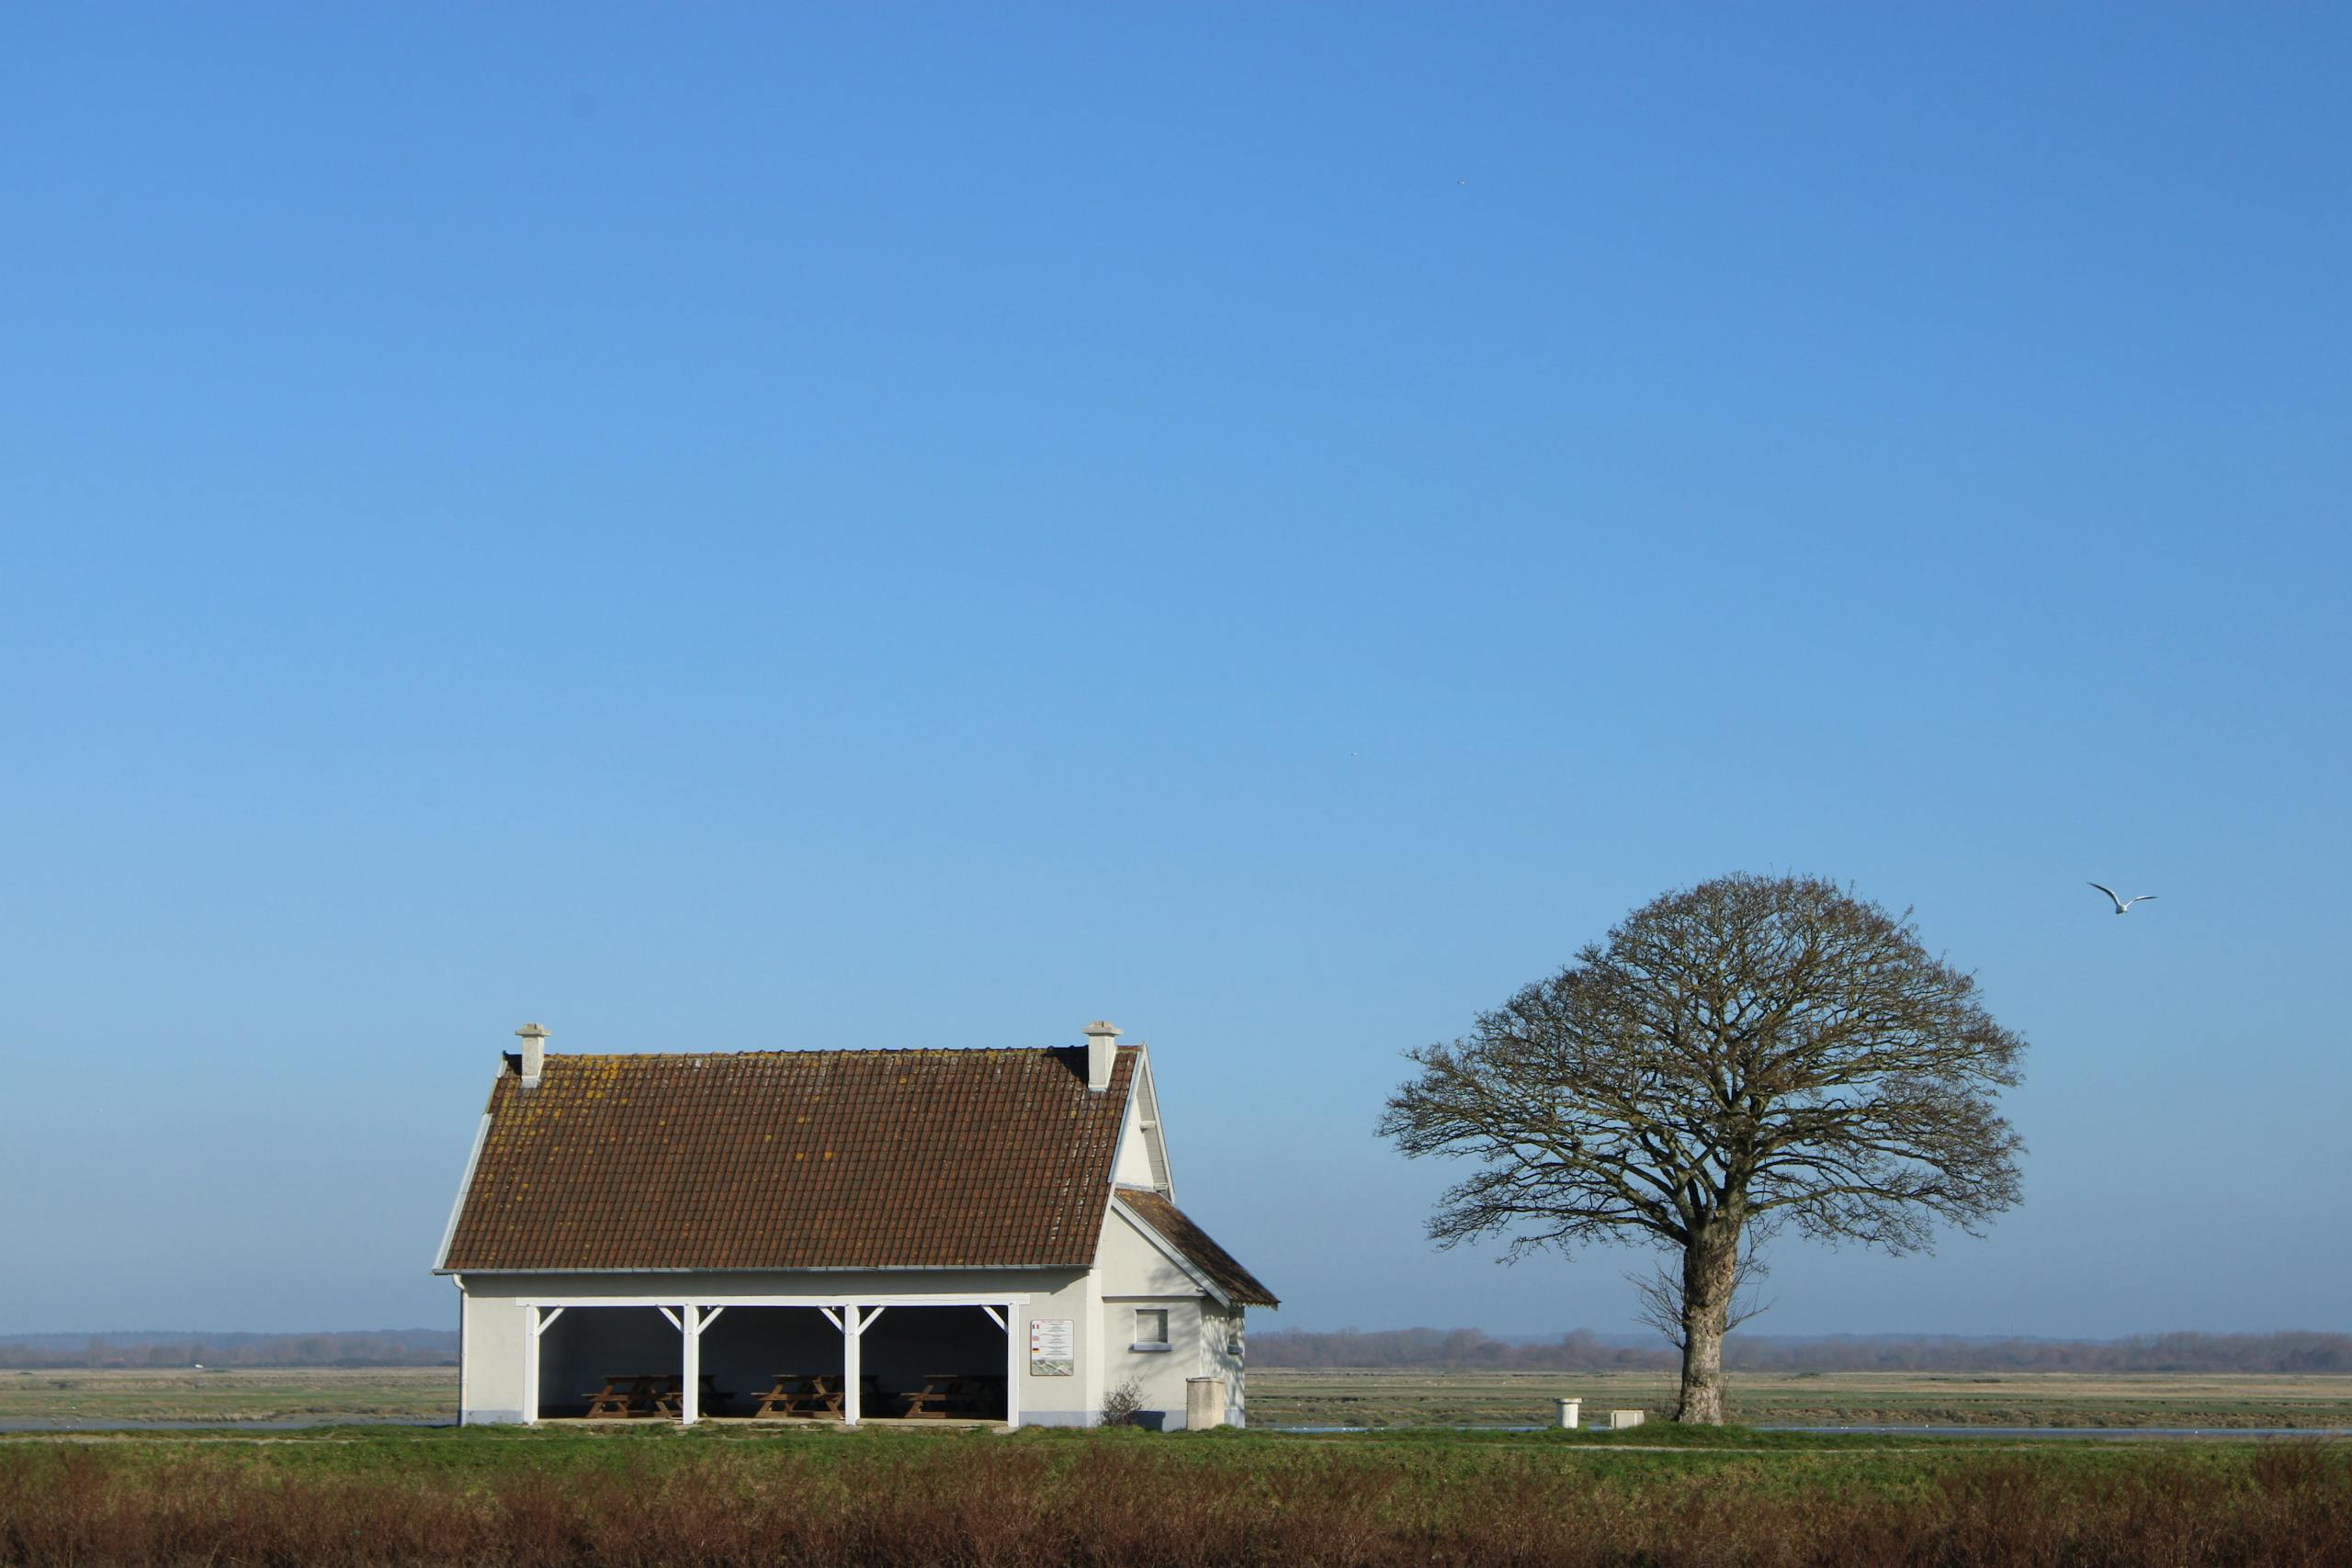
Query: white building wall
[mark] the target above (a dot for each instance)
(1135, 1167)
(1159, 1375)
(1223, 1352)
(1137, 1273)
(491, 1341)
(497, 1341)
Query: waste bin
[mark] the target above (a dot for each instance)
(1204, 1403)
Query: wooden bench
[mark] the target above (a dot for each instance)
(953, 1393)
(802, 1393)
(627, 1394)
(635, 1395)
(816, 1396)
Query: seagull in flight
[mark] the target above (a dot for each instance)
(2122, 905)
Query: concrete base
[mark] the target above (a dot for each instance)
(1028, 1419)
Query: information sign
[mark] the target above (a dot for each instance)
(1053, 1347)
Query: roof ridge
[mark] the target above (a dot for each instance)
(818, 1051)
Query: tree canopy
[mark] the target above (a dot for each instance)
(1747, 1054)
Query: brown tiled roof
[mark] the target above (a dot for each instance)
(1176, 1228)
(795, 1160)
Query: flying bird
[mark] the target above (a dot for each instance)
(2122, 905)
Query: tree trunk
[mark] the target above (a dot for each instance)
(1710, 1270)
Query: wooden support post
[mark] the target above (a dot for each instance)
(530, 1365)
(690, 1365)
(853, 1384)
(536, 1321)
(1012, 1365)
(857, 1320)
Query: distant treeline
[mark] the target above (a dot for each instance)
(376, 1347)
(1469, 1348)
(1583, 1351)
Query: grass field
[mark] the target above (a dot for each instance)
(1374, 1500)
(1383, 1398)
(1283, 1398)
(415, 1393)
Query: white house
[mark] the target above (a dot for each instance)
(837, 1235)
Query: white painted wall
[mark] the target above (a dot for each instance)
(493, 1335)
(1159, 1375)
(496, 1332)
(1134, 1164)
(1223, 1354)
(1137, 1273)
(1132, 1266)
(1144, 1102)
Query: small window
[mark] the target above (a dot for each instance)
(1151, 1329)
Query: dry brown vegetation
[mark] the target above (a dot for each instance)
(1142, 1503)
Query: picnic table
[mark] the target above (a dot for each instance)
(815, 1395)
(802, 1393)
(955, 1393)
(651, 1393)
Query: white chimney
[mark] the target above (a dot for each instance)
(1102, 1050)
(535, 1053)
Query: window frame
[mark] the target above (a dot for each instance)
(1139, 1342)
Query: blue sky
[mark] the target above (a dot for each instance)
(730, 528)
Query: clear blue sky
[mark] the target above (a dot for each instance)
(716, 527)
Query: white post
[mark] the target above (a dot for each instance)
(1093, 1337)
(536, 1321)
(1014, 1361)
(690, 1367)
(531, 1365)
(465, 1404)
(853, 1384)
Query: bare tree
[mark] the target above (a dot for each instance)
(1660, 1295)
(1746, 1054)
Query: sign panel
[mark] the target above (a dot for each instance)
(1053, 1347)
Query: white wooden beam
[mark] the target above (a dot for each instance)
(690, 1366)
(853, 1382)
(672, 1316)
(994, 1316)
(536, 1319)
(928, 1299)
(1012, 1364)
